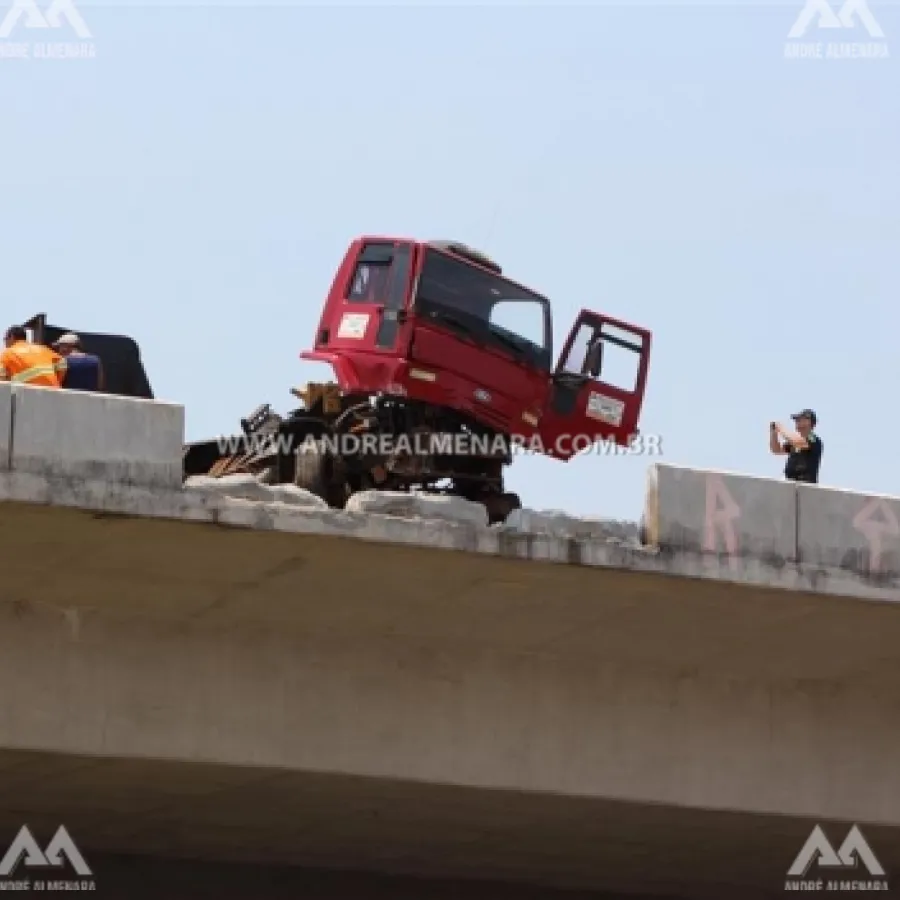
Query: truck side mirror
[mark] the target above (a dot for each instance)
(593, 360)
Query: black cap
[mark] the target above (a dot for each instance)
(805, 414)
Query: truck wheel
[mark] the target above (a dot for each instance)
(312, 469)
(318, 472)
(512, 502)
(499, 506)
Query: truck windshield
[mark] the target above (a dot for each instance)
(485, 307)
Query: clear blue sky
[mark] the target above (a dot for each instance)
(197, 183)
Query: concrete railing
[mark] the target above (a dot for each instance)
(70, 434)
(6, 406)
(67, 436)
(739, 516)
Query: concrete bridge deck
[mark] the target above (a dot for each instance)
(189, 674)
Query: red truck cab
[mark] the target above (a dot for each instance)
(437, 322)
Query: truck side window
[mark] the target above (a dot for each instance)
(372, 275)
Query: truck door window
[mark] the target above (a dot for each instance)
(621, 358)
(608, 354)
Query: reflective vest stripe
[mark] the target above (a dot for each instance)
(34, 372)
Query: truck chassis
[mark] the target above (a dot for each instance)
(338, 444)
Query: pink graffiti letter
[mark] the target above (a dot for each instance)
(876, 522)
(721, 511)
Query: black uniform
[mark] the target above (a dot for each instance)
(803, 465)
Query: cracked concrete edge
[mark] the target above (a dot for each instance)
(107, 498)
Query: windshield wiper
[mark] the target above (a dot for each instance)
(513, 345)
(478, 337)
(458, 324)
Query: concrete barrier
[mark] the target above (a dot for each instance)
(841, 529)
(107, 497)
(5, 425)
(418, 506)
(77, 449)
(248, 487)
(96, 436)
(563, 525)
(721, 513)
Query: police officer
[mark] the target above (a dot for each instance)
(803, 447)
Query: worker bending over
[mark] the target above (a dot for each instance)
(803, 447)
(84, 371)
(23, 362)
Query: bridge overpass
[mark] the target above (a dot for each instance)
(227, 673)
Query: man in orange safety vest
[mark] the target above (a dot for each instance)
(23, 362)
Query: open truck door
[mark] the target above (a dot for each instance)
(597, 388)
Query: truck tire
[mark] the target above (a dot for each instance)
(312, 470)
(499, 506)
(317, 471)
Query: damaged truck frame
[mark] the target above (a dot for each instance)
(433, 350)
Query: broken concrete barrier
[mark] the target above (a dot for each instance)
(248, 487)
(563, 525)
(418, 506)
